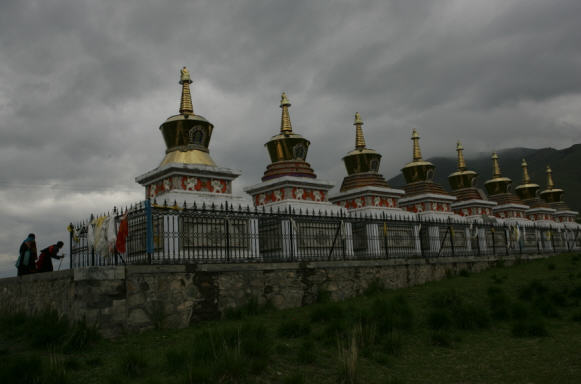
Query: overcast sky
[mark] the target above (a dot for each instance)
(84, 86)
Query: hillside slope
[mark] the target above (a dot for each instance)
(565, 163)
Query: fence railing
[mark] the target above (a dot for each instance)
(177, 235)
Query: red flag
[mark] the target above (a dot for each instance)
(122, 234)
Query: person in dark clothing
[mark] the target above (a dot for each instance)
(44, 263)
(27, 256)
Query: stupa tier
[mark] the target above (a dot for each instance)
(471, 202)
(509, 206)
(289, 182)
(422, 195)
(364, 189)
(187, 173)
(554, 198)
(528, 193)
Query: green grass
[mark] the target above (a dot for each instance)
(519, 324)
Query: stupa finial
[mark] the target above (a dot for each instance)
(525, 172)
(461, 161)
(359, 138)
(550, 182)
(495, 166)
(417, 153)
(186, 107)
(285, 123)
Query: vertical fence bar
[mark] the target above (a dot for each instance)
(148, 231)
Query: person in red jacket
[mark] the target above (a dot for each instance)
(44, 263)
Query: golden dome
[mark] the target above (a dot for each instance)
(527, 190)
(361, 159)
(418, 169)
(462, 178)
(287, 145)
(187, 136)
(498, 184)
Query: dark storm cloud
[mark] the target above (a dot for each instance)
(84, 86)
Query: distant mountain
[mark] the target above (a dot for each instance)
(565, 163)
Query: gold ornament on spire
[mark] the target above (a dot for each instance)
(495, 167)
(287, 146)
(527, 190)
(498, 184)
(462, 178)
(186, 107)
(285, 123)
(525, 172)
(551, 194)
(417, 153)
(461, 162)
(550, 182)
(418, 169)
(359, 138)
(186, 135)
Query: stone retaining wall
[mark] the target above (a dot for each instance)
(137, 297)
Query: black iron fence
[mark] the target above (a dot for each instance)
(181, 235)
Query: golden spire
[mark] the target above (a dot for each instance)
(359, 139)
(186, 107)
(417, 152)
(461, 162)
(495, 166)
(550, 182)
(285, 123)
(525, 172)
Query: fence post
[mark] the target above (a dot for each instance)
(292, 247)
(506, 239)
(385, 243)
(451, 238)
(552, 239)
(493, 240)
(71, 245)
(148, 230)
(227, 224)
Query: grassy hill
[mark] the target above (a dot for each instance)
(519, 324)
(565, 163)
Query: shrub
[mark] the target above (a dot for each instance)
(499, 303)
(46, 329)
(251, 308)
(439, 319)
(375, 286)
(441, 338)
(293, 329)
(176, 360)
(449, 309)
(545, 307)
(307, 352)
(295, 378)
(327, 312)
(469, 316)
(21, 369)
(392, 343)
(80, 337)
(464, 273)
(529, 327)
(348, 352)
(199, 374)
(532, 289)
(132, 365)
(392, 314)
(334, 329)
(323, 296)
